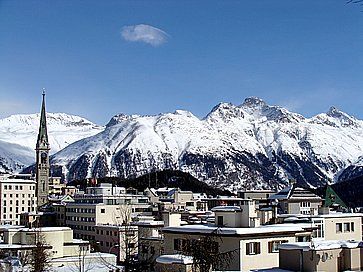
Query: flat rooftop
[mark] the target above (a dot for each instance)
(204, 229)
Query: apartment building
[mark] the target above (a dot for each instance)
(256, 194)
(175, 199)
(120, 240)
(101, 206)
(150, 240)
(83, 218)
(17, 196)
(236, 230)
(252, 248)
(295, 200)
(332, 225)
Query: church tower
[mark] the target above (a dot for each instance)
(42, 159)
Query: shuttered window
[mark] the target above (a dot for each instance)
(253, 248)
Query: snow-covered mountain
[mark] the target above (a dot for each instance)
(253, 145)
(352, 171)
(18, 134)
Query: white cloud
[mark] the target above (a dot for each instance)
(144, 33)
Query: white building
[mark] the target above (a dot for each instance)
(66, 253)
(17, 196)
(236, 231)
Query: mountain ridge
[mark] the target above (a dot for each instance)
(252, 145)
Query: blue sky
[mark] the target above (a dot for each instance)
(304, 55)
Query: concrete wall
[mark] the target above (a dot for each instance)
(264, 259)
(332, 260)
(352, 258)
(330, 228)
(230, 219)
(182, 197)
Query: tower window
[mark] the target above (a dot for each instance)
(43, 158)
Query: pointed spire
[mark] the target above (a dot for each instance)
(43, 134)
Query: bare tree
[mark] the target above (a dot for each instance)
(206, 253)
(127, 242)
(40, 255)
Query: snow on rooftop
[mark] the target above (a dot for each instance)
(148, 223)
(174, 259)
(43, 229)
(331, 214)
(321, 245)
(93, 262)
(226, 209)
(271, 270)
(236, 231)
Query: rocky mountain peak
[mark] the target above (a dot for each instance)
(254, 102)
(117, 119)
(343, 118)
(225, 111)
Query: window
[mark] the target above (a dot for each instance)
(180, 244)
(346, 227)
(338, 227)
(305, 204)
(220, 220)
(273, 246)
(253, 248)
(102, 210)
(319, 233)
(352, 226)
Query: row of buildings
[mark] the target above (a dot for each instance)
(154, 228)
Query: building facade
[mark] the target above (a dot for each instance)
(17, 196)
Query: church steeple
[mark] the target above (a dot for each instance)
(43, 134)
(42, 158)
